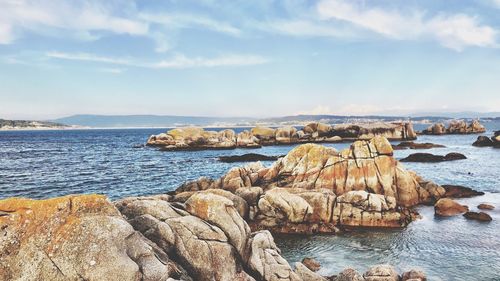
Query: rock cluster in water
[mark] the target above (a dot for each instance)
(217, 229)
(198, 138)
(428, 157)
(483, 141)
(318, 189)
(415, 145)
(455, 127)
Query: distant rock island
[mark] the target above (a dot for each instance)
(194, 138)
(455, 127)
(30, 125)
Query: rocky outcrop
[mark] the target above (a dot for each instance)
(446, 207)
(484, 141)
(76, 238)
(193, 138)
(455, 127)
(431, 158)
(458, 191)
(479, 216)
(414, 145)
(318, 189)
(383, 272)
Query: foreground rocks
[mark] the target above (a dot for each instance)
(86, 237)
(382, 272)
(455, 127)
(192, 138)
(74, 238)
(431, 158)
(484, 141)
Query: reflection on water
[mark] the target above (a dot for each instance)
(41, 164)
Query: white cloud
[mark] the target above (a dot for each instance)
(455, 31)
(178, 61)
(6, 35)
(176, 21)
(303, 28)
(113, 70)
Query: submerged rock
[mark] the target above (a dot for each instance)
(484, 206)
(249, 157)
(446, 207)
(431, 158)
(414, 145)
(458, 191)
(480, 216)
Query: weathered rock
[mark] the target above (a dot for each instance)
(190, 138)
(349, 274)
(395, 131)
(456, 127)
(414, 145)
(247, 140)
(431, 158)
(306, 274)
(383, 272)
(311, 263)
(485, 206)
(446, 207)
(483, 141)
(249, 157)
(265, 135)
(414, 275)
(480, 216)
(286, 135)
(359, 208)
(73, 238)
(458, 191)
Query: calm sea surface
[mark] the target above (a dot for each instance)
(42, 164)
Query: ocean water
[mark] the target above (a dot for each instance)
(43, 164)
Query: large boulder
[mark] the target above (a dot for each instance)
(383, 272)
(286, 135)
(72, 238)
(480, 216)
(446, 207)
(265, 135)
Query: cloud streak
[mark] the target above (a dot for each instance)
(176, 62)
(455, 31)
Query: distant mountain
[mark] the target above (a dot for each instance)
(144, 121)
(138, 121)
(29, 124)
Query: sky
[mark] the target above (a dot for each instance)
(247, 58)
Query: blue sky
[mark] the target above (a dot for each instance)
(247, 58)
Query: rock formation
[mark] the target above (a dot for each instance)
(485, 206)
(249, 157)
(318, 189)
(455, 127)
(428, 157)
(484, 141)
(414, 145)
(446, 207)
(192, 138)
(479, 216)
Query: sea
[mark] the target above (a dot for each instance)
(48, 163)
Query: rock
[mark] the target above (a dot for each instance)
(429, 158)
(246, 139)
(455, 127)
(414, 145)
(483, 141)
(264, 134)
(395, 131)
(306, 274)
(349, 274)
(383, 272)
(311, 263)
(72, 238)
(249, 157)
(484, 206)
(278, 205)
(265, 259)
(414, 275)
(360, 208)
(458, 191)
(446, 207)
(480, 216)
(286, 135)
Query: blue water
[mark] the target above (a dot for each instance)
(42, 164)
